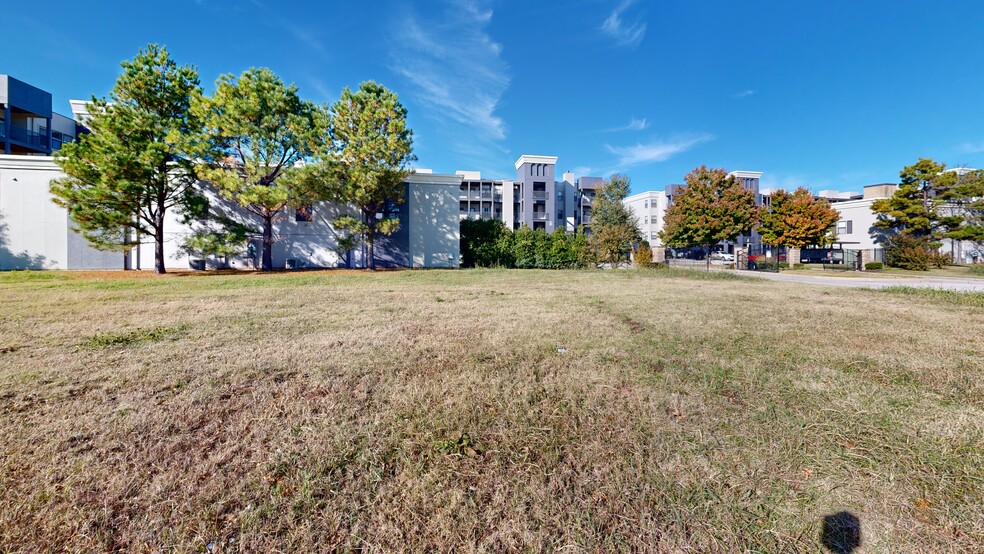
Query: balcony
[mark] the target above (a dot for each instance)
(587, 201)
(539, 195)
(27, 136)
(586, 220)
(539, 216)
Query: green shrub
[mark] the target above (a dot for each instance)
(977, 269)
(489, 243)
(783, 265)
(874, 266)
(909, 252)
(643, 255)
(939, 259)
(485, 243)
(799, 266)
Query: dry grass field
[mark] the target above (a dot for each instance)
(485, 411)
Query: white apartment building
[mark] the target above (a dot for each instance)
(649, 208)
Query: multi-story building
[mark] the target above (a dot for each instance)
(649, 208)
(27, 123)
(535, 199)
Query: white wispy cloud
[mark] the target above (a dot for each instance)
(297, 31)
(656, 151)
(624, 32)
(582, 170)
(633, 125)
(456, 72)
(972, 147)
(305, 37)
(745, 93)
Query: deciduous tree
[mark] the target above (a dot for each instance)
(797, 219)
(613, 226)
(371, 149)
(136, 164)
(713, 207)
(261, 132)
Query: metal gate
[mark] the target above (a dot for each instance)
(761, 258)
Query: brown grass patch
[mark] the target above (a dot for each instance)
(482, 411)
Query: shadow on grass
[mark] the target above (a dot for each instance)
(841, 532)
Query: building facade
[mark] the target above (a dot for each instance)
(649, 209)
(27, 123)
(535, 198)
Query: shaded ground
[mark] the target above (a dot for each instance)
(486, 411)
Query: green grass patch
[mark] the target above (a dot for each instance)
(133, 337)
(961, 298)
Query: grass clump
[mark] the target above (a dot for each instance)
(961, 298)
(132, 337)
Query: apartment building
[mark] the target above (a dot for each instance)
(649, 209)
(28, 126)
(535, 198)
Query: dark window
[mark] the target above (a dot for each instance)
(304, 213)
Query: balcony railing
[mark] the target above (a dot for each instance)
(586, 220)
(539, 216)
(28, 136)
(587, 201)
(539, 195)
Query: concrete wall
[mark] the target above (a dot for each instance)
(856, 215)
(33, 230)
(433, 224)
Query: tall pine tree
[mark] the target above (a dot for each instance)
(371, 149)
(136, 164)
(260, 133)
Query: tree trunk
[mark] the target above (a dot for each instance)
(266, 263)
(371, 239)
(158, 246)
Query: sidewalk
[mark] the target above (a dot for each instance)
(949, 283)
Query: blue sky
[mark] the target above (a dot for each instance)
(834, 94)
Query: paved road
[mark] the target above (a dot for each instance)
(950, 283)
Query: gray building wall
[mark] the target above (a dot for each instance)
(539, 169)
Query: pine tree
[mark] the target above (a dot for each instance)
(136, 164)
(372, 148)
(261, 131)
(914, 209)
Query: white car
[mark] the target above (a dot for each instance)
(723, 256)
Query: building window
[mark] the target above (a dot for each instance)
(304, 213)
(654, 235)
(647, 220)
(645, 204)
(845, 227)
